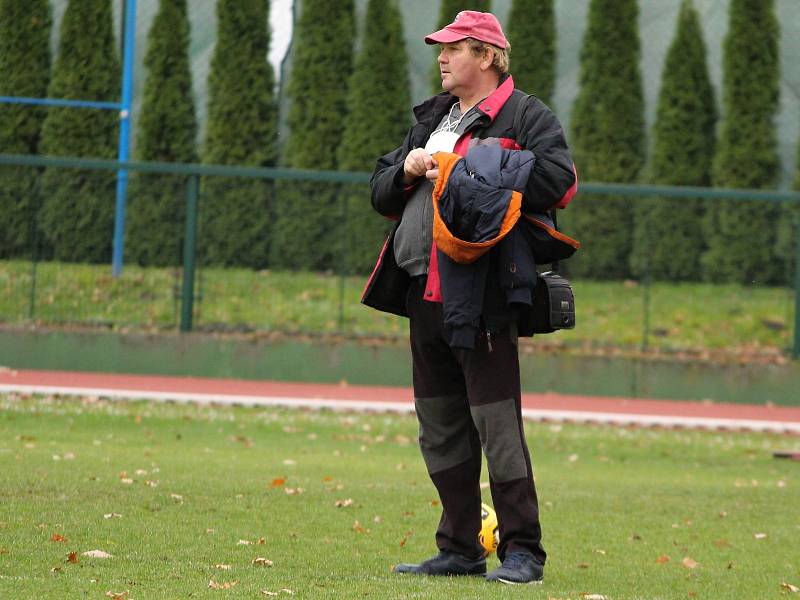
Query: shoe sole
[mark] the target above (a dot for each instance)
(508, 582)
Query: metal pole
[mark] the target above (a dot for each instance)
(646, 280)
(796, 346)
(129, 41)
(189, 250)
(344, 247)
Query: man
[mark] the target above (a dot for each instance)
(467, 386)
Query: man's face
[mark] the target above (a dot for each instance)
(459, 66)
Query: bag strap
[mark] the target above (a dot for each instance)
(552, 213)
(521, 105)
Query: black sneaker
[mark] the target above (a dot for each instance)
(446, 563)
(518, 567)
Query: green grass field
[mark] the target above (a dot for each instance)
(187, 499)
(693, 317)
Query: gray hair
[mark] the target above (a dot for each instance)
(501, 59)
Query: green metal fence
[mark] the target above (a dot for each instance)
(188, 288)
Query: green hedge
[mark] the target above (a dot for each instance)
(741, 236)
(608, 138)
(308, 230)
(167, 132)
(668, 235)
(78, 211)
(236, 215)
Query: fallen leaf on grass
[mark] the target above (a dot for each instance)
(278, 482)
(294, 491)
(242, 439)
(283, 591)
(689, 563)
(343, 503)
(222, 567)
(97, 554)
(260, 541)
(593, 596)
(261, 562)
(663, 559)
(222, 586)
(72, 557)
(358, 528)
(405, 538)
(722, 544)
(112, 515)
(57, 537)
(126, 481)
(583, 566)
(118, 595)
(760, 536)
(790, 588)
(177, 497)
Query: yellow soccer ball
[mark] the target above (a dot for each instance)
(488, 536)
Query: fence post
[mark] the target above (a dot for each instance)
(646, 280)
(32, 297)
(796, 345)
(189, 251)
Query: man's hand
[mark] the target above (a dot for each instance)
(419, 163)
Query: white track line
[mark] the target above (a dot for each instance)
(547, 415)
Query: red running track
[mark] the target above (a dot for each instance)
(547, 406)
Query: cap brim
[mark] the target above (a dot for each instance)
(444, 36)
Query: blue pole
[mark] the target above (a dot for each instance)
(129, 40)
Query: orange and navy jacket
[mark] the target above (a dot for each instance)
(476, 207)
(508, 118)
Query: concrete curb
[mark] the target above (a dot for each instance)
(535, 414)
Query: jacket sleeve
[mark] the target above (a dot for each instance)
(386, 183)
(553, 180)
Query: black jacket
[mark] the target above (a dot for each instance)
(512, 120)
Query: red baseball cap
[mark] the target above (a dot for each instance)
(471, 24)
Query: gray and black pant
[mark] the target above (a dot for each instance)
(468, 403)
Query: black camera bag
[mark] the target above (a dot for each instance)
(553, 305)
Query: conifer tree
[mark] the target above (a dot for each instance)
(741, 235)
(378, 117)
(448, 10)
(668, 240)
(167, 130)
(308, 227)
(241, 130)
(24, 71)
(532, 33)
(608, 139)
(78, 210)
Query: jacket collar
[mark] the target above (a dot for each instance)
(494, 102)
(433, 109)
